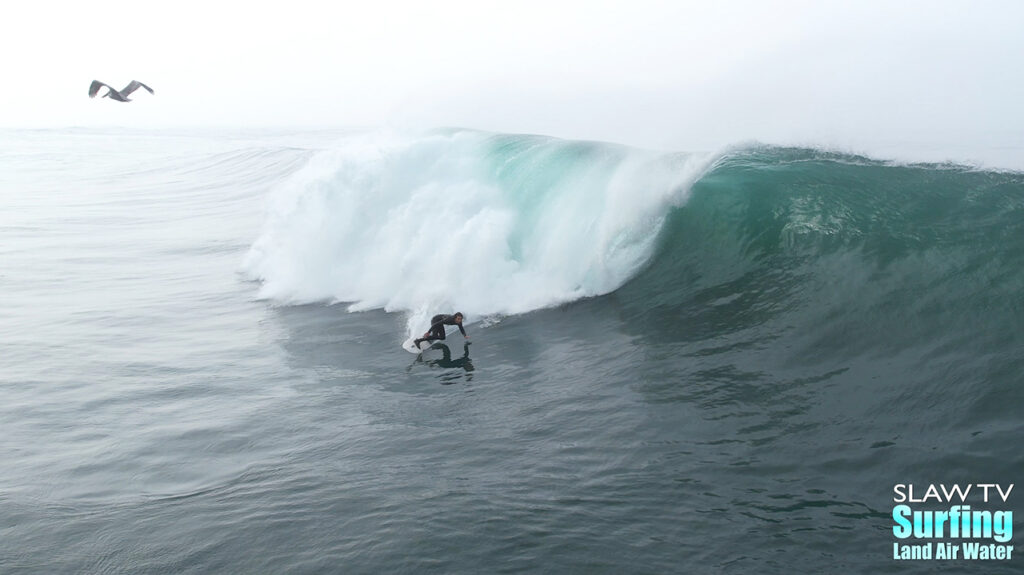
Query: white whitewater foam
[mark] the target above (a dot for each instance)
(485, 224)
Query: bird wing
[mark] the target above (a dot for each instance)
(95, 87)
(135, 85)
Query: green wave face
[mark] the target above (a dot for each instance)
(840, 254)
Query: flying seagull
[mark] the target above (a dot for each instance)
(120, 96)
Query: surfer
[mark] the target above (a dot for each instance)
(437, 324)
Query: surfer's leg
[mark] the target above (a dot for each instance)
(435, 333)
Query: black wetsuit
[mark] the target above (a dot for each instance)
(437, 324)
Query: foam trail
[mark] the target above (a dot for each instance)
(459, 220)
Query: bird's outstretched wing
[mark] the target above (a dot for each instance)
(135, 85)
(95, 87)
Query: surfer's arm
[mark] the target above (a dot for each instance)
(463, 330)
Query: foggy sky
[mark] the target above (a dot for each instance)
(670, 75)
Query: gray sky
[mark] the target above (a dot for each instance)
(675, 75)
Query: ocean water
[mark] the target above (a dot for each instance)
(678, 362)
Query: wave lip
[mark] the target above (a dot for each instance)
(485, 223)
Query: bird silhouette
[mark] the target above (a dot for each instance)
(119, 95)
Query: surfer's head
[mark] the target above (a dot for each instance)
(458, 317)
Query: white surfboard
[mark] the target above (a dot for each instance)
(411, 348)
